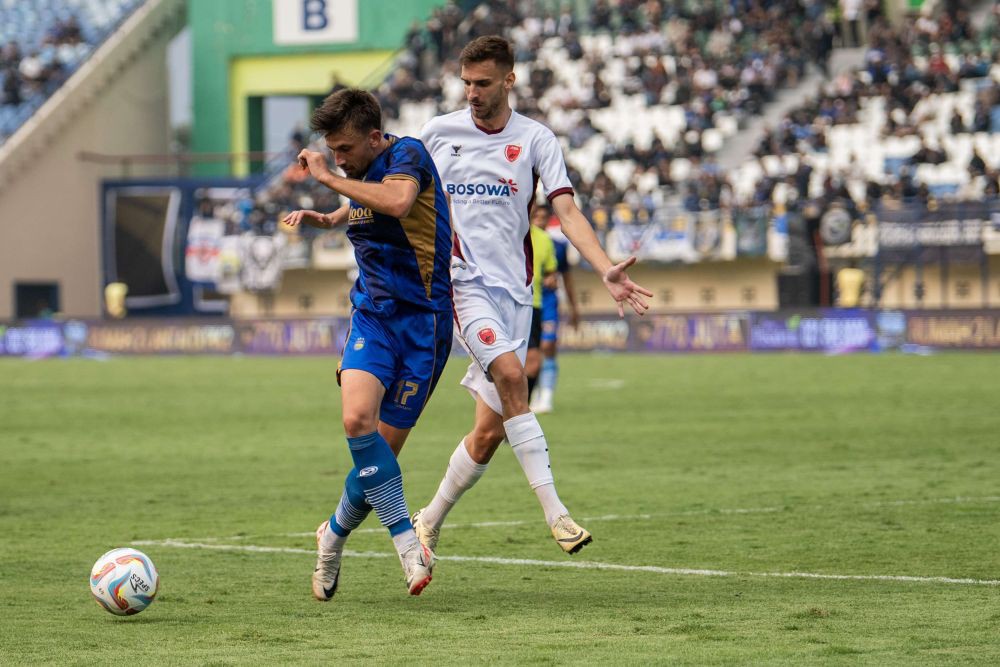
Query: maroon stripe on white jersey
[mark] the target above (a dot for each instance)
(529, 249)
(560, 191)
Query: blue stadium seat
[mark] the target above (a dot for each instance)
(29, 24)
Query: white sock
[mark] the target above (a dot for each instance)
(331, 541)
(405, 541)
(528, 442)
(462, 474)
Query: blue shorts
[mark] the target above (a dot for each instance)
(550, 315)
(406, 352)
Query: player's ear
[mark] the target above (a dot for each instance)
(374, 137)
(508, 81)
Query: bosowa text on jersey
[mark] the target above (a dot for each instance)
(502, 188)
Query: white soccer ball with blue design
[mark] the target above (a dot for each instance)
(124, 581)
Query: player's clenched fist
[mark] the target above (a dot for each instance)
(314, 161)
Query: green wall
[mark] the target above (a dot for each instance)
(224, 31)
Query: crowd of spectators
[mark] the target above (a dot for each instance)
(726, 59)
(26, 74)
(709, 61)
(913, 74)
(42, 42)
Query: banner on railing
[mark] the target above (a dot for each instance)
(964, 330)
(31, 339)
(823, 331)
(828, 330)
(671, 239)
(691, 333)
(751, 231)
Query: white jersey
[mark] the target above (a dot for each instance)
(491, 176)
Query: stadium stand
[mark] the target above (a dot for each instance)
(642, 94)
(42, 43)
(639, 91)
(915, 124)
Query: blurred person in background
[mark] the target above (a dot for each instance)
(543, 252)
(543, 399)
(850, 285)
(114, 300)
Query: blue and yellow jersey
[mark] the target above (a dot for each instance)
(403, 261)
(544, 255)
(550, 297)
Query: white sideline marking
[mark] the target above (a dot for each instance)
(609, 384)
(701, 512)
(583, 565)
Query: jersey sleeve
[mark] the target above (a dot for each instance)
(551, 167)
(428, 134)
(410, 161)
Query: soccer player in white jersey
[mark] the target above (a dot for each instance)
(490, 159)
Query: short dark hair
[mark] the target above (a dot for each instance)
(350, 108)
(488, 47)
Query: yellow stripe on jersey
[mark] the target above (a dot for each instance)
(401, 177)
(420, 227)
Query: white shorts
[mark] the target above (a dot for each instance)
(490, 323)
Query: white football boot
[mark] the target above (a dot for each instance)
(569, 535)
(417, 563)
(327, 573)
(428, 536)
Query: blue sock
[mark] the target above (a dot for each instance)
(382, 480)
(550, 371)
(353, 507)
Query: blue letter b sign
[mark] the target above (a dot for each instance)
(314, 15)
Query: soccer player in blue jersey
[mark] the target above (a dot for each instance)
(542, 400)
(401, 325)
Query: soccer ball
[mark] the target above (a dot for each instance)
(124, 581)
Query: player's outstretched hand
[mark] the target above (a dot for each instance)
(314, 161)
(311, 218)
(623, 290)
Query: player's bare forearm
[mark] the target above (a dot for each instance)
(393, 197)
(338, 217)
(317, 219)
(317, 223)
(580, 233)
(616, 280)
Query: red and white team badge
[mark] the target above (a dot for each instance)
(512, 152)
(487, 335)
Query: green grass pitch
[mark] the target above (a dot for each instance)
(863, 466)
